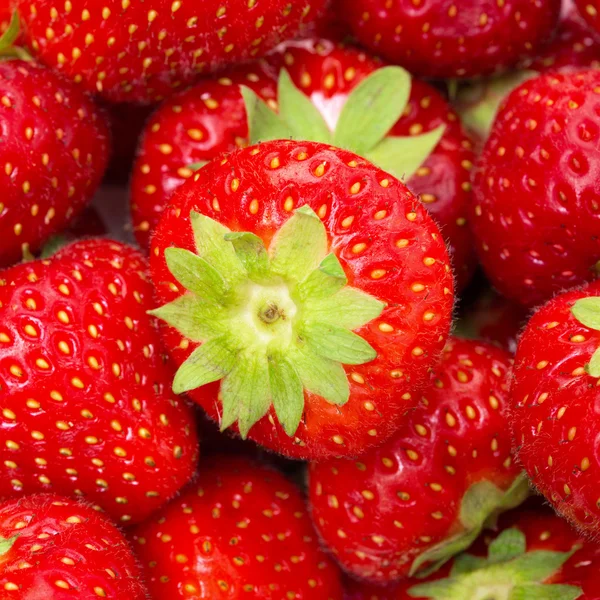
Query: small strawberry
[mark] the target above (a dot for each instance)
(534, 555)
(426, 494)
(536, 213)
(450, 38)
(53, 548)
(242, 532)
(590, 11)
(322, 341)
(141, 52)
(555, 396)
(84, 410)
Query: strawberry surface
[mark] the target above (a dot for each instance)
(241, 532)
(590, 11)
(53, 548)
(85, 406)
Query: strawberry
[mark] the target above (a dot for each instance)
(555, 392)
(536, 211)
(53, 548)
(452, 39)
(135, 52)
(535, 555)
(53, 152)
(242, 532)
(321, 342)
(425, 494)
(84, 409)
(590, 11)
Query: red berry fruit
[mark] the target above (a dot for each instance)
(426, 494)
(322, 341)
(241, 532)
(85, 410)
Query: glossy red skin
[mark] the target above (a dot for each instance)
(533, 242)
(214, 110)
(590, 11)
(47, 180)
(543, 531)
(567, 385)
(245, 533)
(61, 540)
(162, 51)
(383, 390)
(361, 499)
(58, 433)
(424, 36)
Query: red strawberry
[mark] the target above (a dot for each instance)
(133, 51)
(555, 396)
(446, 38)
(536, 212)
(52, 548)
(84, 409)
(350, 249)
(590, 11)
(426, 494)
(535, 555)
(53, 152)
(242, 532)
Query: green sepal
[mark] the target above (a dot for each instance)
(287, 393)
(325, 281)
(6, 544)
(251, 252)
(9, 37)
(593, 367)
(509, 545)
(587, 312)
(372, 109)
(198, 165)
(540, 591)
(263, 123)
(466, 563)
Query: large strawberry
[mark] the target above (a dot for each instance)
(322, 341)
(426, 494)
(535, 555)
(135, 51)
(242, 532)
(555, 397)
(452, 38)
(536, 213)
(52, 548)
(84, 409)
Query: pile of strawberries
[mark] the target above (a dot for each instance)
(345, 345)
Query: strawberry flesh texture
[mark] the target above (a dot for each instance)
(86, 410)
(53, 152)
(242, 532)
(384, 389)
(64, 549)
(536, 212)
(148, 52)
(446, 38)
(389, 500)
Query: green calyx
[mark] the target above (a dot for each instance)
(6, 544)
(480, 508)
(371, 110)
(9, 37)
(272, 323)
(587, 312)
(508, 573)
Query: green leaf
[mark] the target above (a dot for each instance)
(336, 343)
(251, 251)
(207, 363)
(287, 393)
(436, 590)
(325, 281)
(593, 367)
(402, 156)
(537, 566)
(372, 109)
(587, 312)
(508, 545)
(466, 563)
(536, 591)
(198, 165)
(245, 392)
(6, 544)
(12, 32)
(299, 246)
(263, 123)
(196, 275)
(299, 113)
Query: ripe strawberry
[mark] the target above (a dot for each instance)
(52, 548)
(426, 494)
(453, 39)
(590, 11)
(350, 249)
(242, 532)
(555, 393)
(536, 212)
(84, 409)
(535, 555)
(53, 153)
(135, 52)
